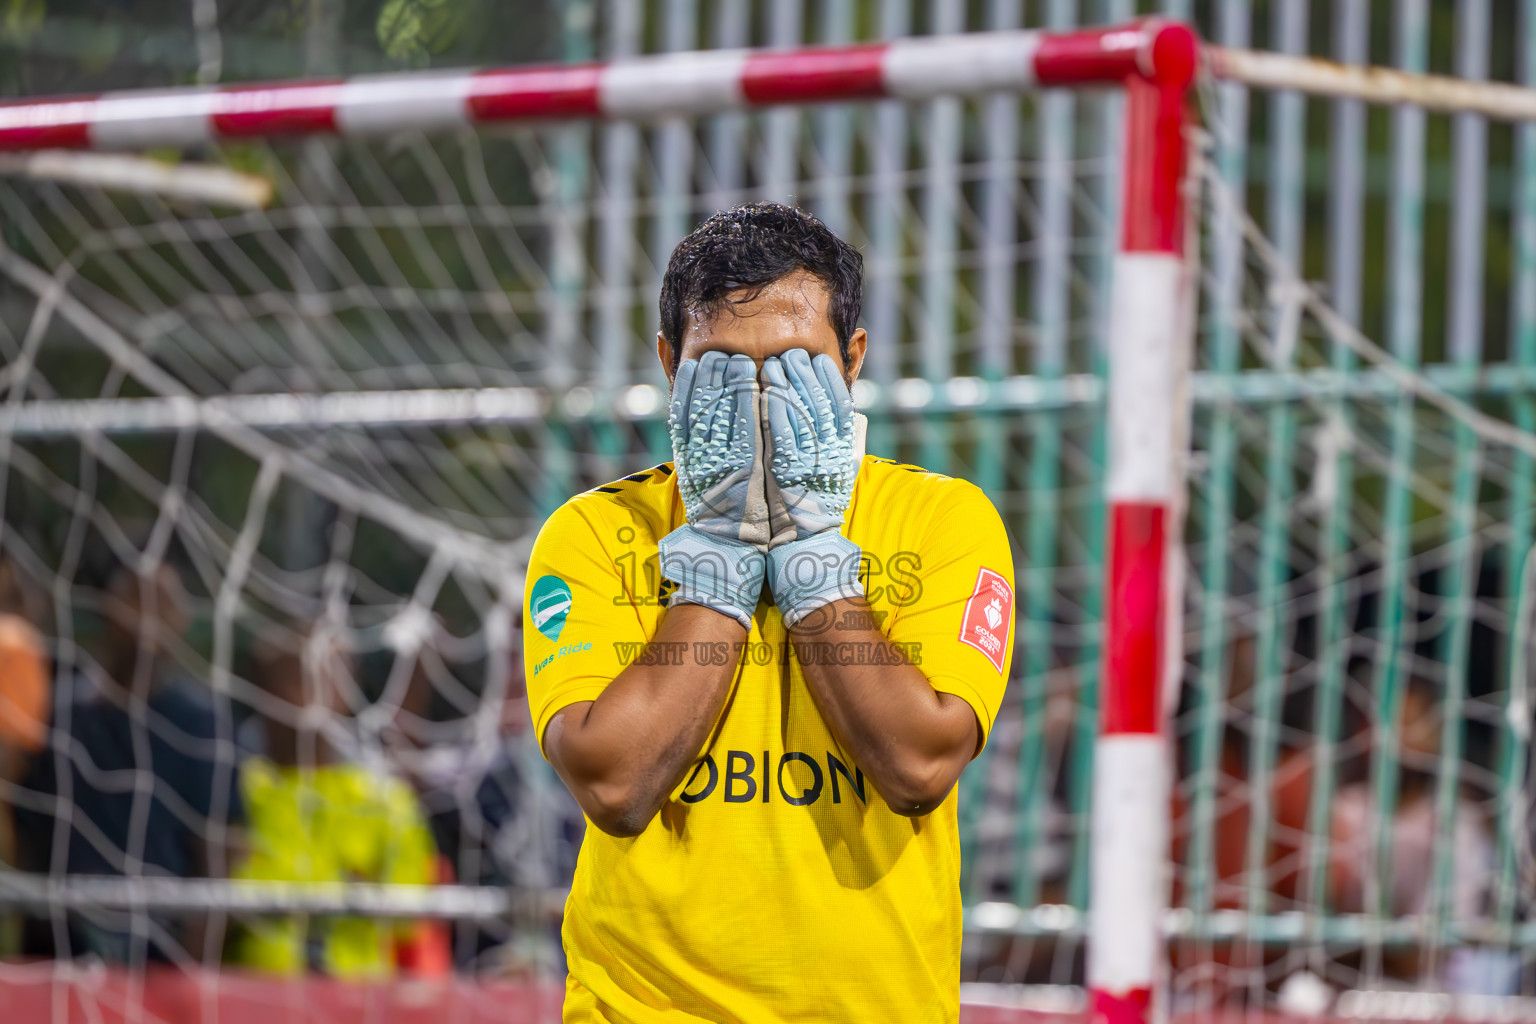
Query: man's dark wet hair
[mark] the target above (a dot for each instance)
(750, 247)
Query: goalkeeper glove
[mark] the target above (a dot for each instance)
(813, 454)
(717, 559)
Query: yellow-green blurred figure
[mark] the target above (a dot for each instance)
(313, 818)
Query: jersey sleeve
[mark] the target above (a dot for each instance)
(581, 623)
(958, 625)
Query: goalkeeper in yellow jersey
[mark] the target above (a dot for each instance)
(761, 669)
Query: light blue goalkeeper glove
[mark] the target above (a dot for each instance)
(717, 559)
(813, 459)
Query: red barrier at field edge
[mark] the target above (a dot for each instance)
(70, 994)
(67, 993)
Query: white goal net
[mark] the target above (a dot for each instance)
(282, 419)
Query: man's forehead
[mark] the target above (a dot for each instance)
(799, 289)
(795, 304)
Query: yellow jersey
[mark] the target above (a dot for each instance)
(775, 884)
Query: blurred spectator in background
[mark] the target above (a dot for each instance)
(1414, 833)
(317, 817)
(1351, 847)
(24, 680)
(499, 815)
(25, 685)
(152, 784)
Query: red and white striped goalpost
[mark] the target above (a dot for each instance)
(1153, 61)
(1147, 362)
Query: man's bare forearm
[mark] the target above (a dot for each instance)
(621, 754)
(912, 741)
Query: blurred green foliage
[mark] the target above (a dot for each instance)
(65, 46)
(21, 20)
(414, 31)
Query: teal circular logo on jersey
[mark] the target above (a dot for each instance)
(549, 605)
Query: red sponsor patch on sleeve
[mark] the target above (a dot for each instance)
(988, 616)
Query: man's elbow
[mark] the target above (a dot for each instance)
(601, 784)
(923, 777)
(617, 809)
(920, 789)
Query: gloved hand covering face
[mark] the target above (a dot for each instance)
(718, 447)
(813, 460)
(717, 559)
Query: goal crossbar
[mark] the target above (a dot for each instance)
(713, 82)
(693, 83)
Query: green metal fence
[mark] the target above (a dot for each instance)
(1352, 732)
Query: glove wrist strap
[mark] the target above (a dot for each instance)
(717, 573)
(808, 574)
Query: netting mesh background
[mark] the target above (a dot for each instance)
(337, 585)
(224, 585)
